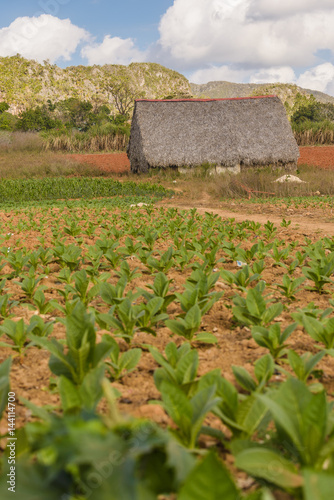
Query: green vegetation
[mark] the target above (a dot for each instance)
(17, 190)
(113, 274)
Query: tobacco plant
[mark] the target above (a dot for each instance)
(272, 338)
(253, 309)
(118, 364)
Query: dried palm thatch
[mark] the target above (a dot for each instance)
(248, 132)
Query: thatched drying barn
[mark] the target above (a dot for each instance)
(232, 133)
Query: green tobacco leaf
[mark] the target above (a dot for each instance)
(271, 313)
(187, 366)
(209, 480)
(313, 327)
(91, 388)
(251, 411)
(177, 405)
(255, 303)
(269, 465)
(318, 485)
(264, 368)
(301, 418)
(243, 378)
(206, 338)
(176, 326)
(129, 360)
(193, 317)
(69, 395)
(4, 383)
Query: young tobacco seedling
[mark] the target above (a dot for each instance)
(125, 325)
(160, 288)
(114, 295)
(152, 315)
(68, 256)
(271, 338)
(253, 309)
(303, 365)
(114, 258)
(163, 264)
(209, 259)
(290, 286)
(29, 284)
(241, 278)
(131, 247)
(280, 255)
(118, 364)
(73, 230)
(188, 413)
(241, 416)
(186, 327)
(247, 255)
(83, 353)
(285, 223)
(270, 229)
(80, 289)
(263, 368)
(198, 287)
(105, 245)
(149, 237)
(321, 331)
(34, 259)
(311, 311)
(319, 272)
(17, 260)
(6, 305)
(302, 419)
(16, 331)
(126, 271)
(38, 327)
(178, 367)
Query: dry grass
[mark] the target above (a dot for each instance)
(314, 137)
(86, 143)
(315, 180)
(20, 141)
(198, 181)
(20, 164)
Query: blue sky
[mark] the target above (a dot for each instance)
(254, 41)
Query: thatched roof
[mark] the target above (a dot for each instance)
(251, 131)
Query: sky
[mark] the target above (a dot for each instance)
(242, 41)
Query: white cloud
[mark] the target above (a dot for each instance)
(42, 37)
(318, 78)
(112, 51)
(264, 9)
(218, 73)
(284, 74)
(222, 32)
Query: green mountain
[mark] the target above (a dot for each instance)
(288, 93)
(26, 83)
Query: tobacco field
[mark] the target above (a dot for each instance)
(159, 353)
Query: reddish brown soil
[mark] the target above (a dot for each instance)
(118, 163)
(320, 156)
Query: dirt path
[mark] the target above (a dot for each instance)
(301, 221)
(304, 220)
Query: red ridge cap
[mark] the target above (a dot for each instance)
(206, 100)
